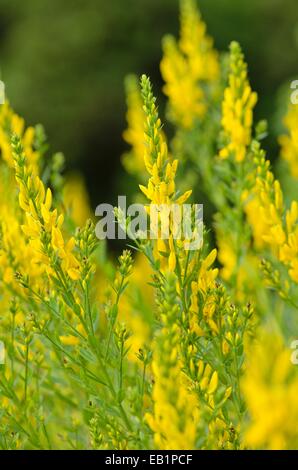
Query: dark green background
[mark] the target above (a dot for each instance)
(63, 63)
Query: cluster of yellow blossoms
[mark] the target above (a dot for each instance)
(250, 199)
(134, 134)
(15, 252)
(161, 189)
(237, 109)
(11, 123)
(187, 65)
(170, 391)
(33, 256)
(273, 225)
(270, 388)
(238, 264)
(175, 417)
(205, 281)
(43, 225)
(203, 315)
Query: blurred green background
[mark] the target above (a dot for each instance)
(64, 62)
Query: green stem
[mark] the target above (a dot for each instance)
(12, 346)
(121, 369)
(26, 371)
(111, 329)
(143, 387)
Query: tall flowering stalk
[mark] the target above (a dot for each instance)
(233, 166)
(10, 123)
(270, 388)
(161, 188)
(43, 225)
(201, 318)
(194, 75)
(187, 66)
(273, 225)
(237, 109)
(134, 134)
(175, 416)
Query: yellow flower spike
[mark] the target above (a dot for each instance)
(175, 416)
(11, 123)
(187, 66)
(237, 108)
(40, 219)
(269, 386)
(134, 134)
(270, 222)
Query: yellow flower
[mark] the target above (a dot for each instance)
(272, 225)
(162, 169)
(237, 108)
(76, 199)
(69, 340)
(203, 285)
(43, 224)
(70, 263)
(175, 416)
(188, 65)
(11, 123)
(270, 390)
(134, 134)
